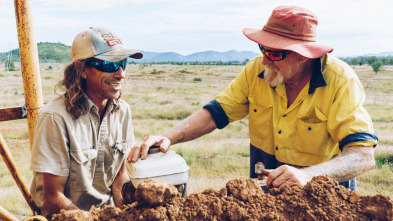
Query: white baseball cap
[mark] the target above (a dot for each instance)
(102, 44)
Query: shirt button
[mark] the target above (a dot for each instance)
(309, 128)
(98, 165)
(279, 132)
(276, 148)
(255, 110)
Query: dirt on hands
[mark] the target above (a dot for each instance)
(243, 199)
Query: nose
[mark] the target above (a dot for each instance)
(266, 60)
(120, 73)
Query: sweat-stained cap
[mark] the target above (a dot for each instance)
(290, 28)
(102, 44)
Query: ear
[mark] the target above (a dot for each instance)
(84, 74)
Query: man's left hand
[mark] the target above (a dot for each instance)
(286, 175)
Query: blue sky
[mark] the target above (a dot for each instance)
(351, 27)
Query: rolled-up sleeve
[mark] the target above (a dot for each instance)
(217, 113)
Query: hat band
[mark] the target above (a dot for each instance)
(290, 35)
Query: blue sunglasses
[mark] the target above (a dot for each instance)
(106, 66)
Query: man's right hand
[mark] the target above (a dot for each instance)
(143, 147)
(194, 126)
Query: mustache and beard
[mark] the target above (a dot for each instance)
(273, 75)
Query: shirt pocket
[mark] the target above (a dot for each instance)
(311, 133)
(260, 123)
(114, 160)
(82, 168)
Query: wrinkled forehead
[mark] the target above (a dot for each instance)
(273, 49)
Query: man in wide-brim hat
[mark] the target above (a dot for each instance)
(305, 107)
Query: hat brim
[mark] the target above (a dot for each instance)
(305, 48)
(119, 55)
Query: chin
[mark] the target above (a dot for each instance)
(114, 96)
(273, 76)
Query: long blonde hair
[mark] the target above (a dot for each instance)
(73, 85)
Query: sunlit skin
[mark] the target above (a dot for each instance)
(101, 86)
(292, 67)
(297, 71)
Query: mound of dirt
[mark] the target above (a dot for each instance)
(153, 192)
(243, 199)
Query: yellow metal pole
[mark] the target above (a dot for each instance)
(29, 62)
(9, 161)
(7, 216)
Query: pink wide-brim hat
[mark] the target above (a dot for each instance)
(290, 28)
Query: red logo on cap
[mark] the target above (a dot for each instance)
(114, 41)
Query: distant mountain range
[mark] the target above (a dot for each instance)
(204, 56)
(58, 52)
(382, 54)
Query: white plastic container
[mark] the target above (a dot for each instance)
(167, 166)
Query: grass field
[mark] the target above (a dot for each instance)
(162, 95)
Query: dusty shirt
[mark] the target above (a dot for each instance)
(90, 154)
(326, 118)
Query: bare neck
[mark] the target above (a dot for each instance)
(101, 105)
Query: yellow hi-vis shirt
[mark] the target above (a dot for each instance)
(327, 116)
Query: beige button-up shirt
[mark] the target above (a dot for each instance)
(90, 154)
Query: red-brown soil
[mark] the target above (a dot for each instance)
(242, 199)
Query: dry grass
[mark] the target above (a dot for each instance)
(161, 95)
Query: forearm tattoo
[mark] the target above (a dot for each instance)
(180, 139)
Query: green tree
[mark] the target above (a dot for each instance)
(384, 60)
(390, 62)
(377, 66)
(354, 61)
(372, 60)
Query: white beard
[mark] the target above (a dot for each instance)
(273, 75)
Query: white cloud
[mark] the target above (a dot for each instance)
(187, 26)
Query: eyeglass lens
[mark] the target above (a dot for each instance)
(113, 66)
(107, 66)
(273, 55)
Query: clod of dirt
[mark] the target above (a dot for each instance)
(242, 189)
(153, 192)
(355, 196)
(36, 218)
(377, 207)
(242, 199)
(105, 213)
(71, 215)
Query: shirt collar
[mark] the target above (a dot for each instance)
(112, 103)
(317, 79)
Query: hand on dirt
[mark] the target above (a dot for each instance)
(143, 147)
(286, 175)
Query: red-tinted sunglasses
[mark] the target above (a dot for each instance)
(274, 55)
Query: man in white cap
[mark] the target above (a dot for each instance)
(305, 108)
(82, 137)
